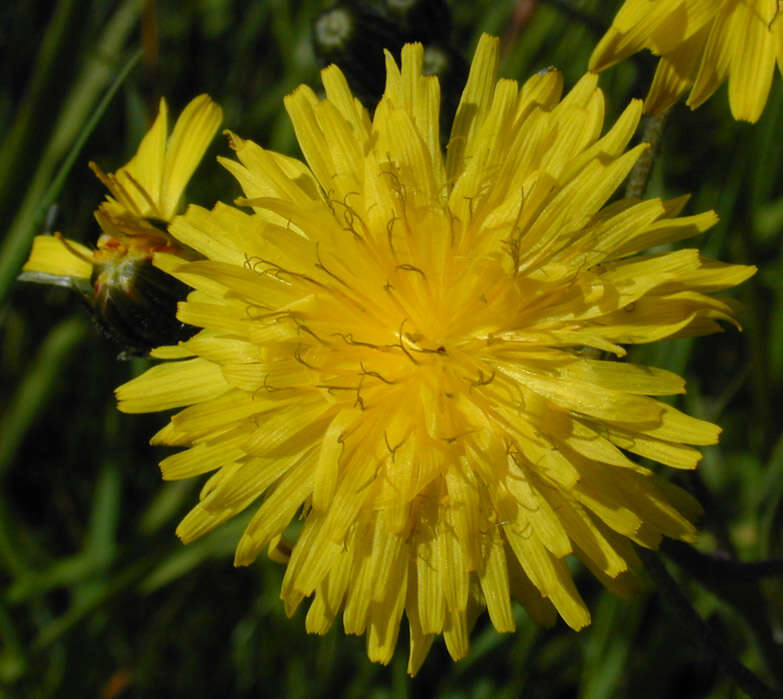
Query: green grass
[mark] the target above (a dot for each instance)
(97, 592)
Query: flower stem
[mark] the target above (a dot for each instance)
(724, 569)
(640, 175)
(74, 126)
(687, 617)
(737, 584)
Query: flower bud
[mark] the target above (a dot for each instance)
(134, 302)
(354, 36)
(421, 20)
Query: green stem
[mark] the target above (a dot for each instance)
(33, 391)
(92, 599)
(720, 568)
(70, 134)
(737, 584)
(53, 191)
(686, 616)
(13, 660)
(22, 135)
(640, 174)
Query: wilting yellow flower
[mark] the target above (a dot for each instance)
(397, 348)
(145, 196)
(702, 43)
(146, 193)
(150, 186)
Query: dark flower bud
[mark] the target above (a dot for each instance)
(354, 36)
(136, 305)
(421, 20)
(134, 302)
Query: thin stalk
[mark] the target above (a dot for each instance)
(37, 384)
(714, 568)
(53, 191)
(21, 137)
(640, 174)
(687, 617)
(70, 133)
(737, 584)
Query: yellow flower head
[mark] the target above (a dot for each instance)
(397, 348)
(702, 43)
(134, 302)
(150, 186)
(146, 193)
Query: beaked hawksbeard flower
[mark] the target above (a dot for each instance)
(702, 43)
(145, 195)
(398, 348)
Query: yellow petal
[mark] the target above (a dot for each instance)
(474, 103)
(172, 386)
(675, 73)
(144, 172)
(752, 64)
(59, 257)
(716, 57)
(203, 457)
(192, 134)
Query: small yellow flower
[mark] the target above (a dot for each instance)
(150, 186)
(396, 348)
(146, 193)
(702, 43)
(145, 196)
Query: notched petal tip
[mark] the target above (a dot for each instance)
(57, 256)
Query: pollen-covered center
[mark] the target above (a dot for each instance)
(395, 308)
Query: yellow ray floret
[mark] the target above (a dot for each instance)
(701, 44)
(151, 184)
(394, 350)
(58, 257)
(145, 196)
